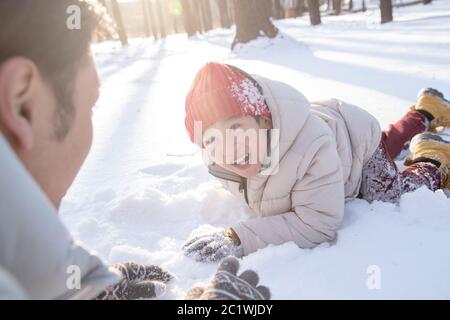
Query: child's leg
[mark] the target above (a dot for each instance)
(398, 134)
(430, 111)
(381, 179)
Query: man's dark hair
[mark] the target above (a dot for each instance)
(37, 30)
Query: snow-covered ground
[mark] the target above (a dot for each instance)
(137, 199)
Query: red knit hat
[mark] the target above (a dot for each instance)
(218, 92)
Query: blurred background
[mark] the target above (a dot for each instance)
(159, 18)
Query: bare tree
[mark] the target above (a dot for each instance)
(386, 11)
(277, 10)
(119, 22)
(337, 5)
(290, 8)
(152, 17)
(162, 23)
(189, 19)
(314, 12)
(301, 7)
(205, 9)
(197, 8)
(252, 20)
(146, 20)
(224, 10)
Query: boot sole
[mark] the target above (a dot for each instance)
(433, 92)
(430, 137)
(436, 123)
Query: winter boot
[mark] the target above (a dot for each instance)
(436, 108)
(433, 148)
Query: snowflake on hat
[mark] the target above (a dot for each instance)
(251, 100)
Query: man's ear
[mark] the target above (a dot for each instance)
(17, 78)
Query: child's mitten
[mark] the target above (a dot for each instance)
(211, 247)
(138, 282)
(226, 285)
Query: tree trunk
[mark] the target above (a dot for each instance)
(252, 20)
(231, 6)
(314, 12)
(426, 1)
(174, 24)
(386, 11)
(364, 5)
(162, 23)
(350, 5)
(152, 18)
(301, 7)
(189, 18)
(146, 21)
(291, 9)
(225, 20)
(277, 10)
(337, 4)
(198, 13)
(205, 6)
(119, 22)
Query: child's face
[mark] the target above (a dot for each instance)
(238, 144)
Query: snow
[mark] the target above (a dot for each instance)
(250, 98)
(143, 189)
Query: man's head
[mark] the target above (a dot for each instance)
(48, 86)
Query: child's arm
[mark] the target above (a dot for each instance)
(317, 200)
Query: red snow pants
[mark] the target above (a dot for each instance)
(382, 180)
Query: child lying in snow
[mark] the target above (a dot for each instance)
(314, 157)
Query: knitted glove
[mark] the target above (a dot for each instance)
(138, 282)
(211, 247)
(226, 285)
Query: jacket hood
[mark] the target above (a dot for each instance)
(289, 109)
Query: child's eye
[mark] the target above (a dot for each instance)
(209, 141)
(235, 126)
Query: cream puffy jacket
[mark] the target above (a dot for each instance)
(322, 148)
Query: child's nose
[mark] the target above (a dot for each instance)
(218, 155)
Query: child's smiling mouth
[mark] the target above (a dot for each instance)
(243, 160)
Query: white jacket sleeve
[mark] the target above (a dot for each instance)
(317, 205)
(36, 249)
(9, 287)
